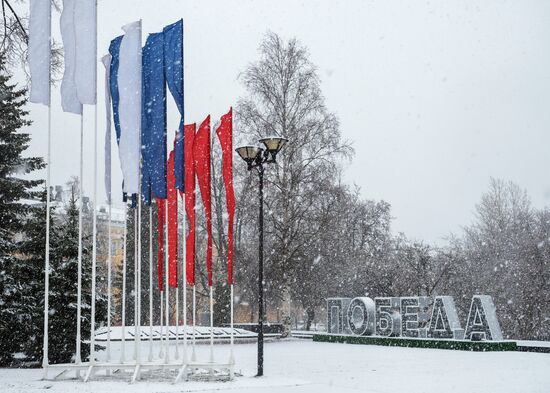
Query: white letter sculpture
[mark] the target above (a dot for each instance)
(337, 321)
(388, 317)
(361, 316)
(444, 322)
(482, 321)
(410, 317)
(414, 316)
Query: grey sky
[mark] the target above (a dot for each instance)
(435, 96)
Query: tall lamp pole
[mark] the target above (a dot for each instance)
(256, 157)
(261, 275)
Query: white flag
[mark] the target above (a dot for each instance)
(85, 18)
(39, 50)
(129, 89)
(107, 63)
(69, 97)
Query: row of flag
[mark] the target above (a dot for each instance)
(136, 81)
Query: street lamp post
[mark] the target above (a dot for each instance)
(261, 275)
(256, 157)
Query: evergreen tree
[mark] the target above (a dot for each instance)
(31, 276)
(64, 286)
(15, 192)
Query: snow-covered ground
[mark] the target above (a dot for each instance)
(303, 366)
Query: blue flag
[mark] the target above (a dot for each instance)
(173, 66)
(153, 119)
(114, 51)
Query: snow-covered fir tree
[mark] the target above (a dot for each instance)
(31, 277)
(63, 288)
(15, 193)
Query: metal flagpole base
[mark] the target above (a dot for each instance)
(177, 370)
(88, 373)
(208, 371)
(64, 369)
(182, 374)
(136, 375)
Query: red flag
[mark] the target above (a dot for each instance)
(225, 135)
(160, 253)
(172, 224)
(189, 182)
(201, 155)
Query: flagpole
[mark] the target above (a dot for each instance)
(108, 173)
(124, 260)
(184, 253)
(78, 359)
(135, 281)
(138, 276)
(109, 278)
(177, 320)
(184, 276)
(138, 290)
(94, 246)
(231, 356)
(211, 325)
(211, 286)
(45, 344)
(161, 352)
(150, 282)
(177, 289)
(193, 354)
(47, 256)
(167, 288)
(184, 212)
(161, 289)
(94, 214)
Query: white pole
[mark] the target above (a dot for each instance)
(45, 360)
(138, 294)
(211, 325)
(184, 253)
(138, 276)
(79, 272)
(94, 245)
(167, 288)
(177, 296)
(94, 218)
(161, 353)
(231, 356)
(135, 283)
(47, 264)
(124, 261)
(109, 278)
(138, 288)
(177, 322)
(193, 354)
(150, 282)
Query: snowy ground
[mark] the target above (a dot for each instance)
(303, 366)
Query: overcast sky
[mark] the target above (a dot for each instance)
(436, 96)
